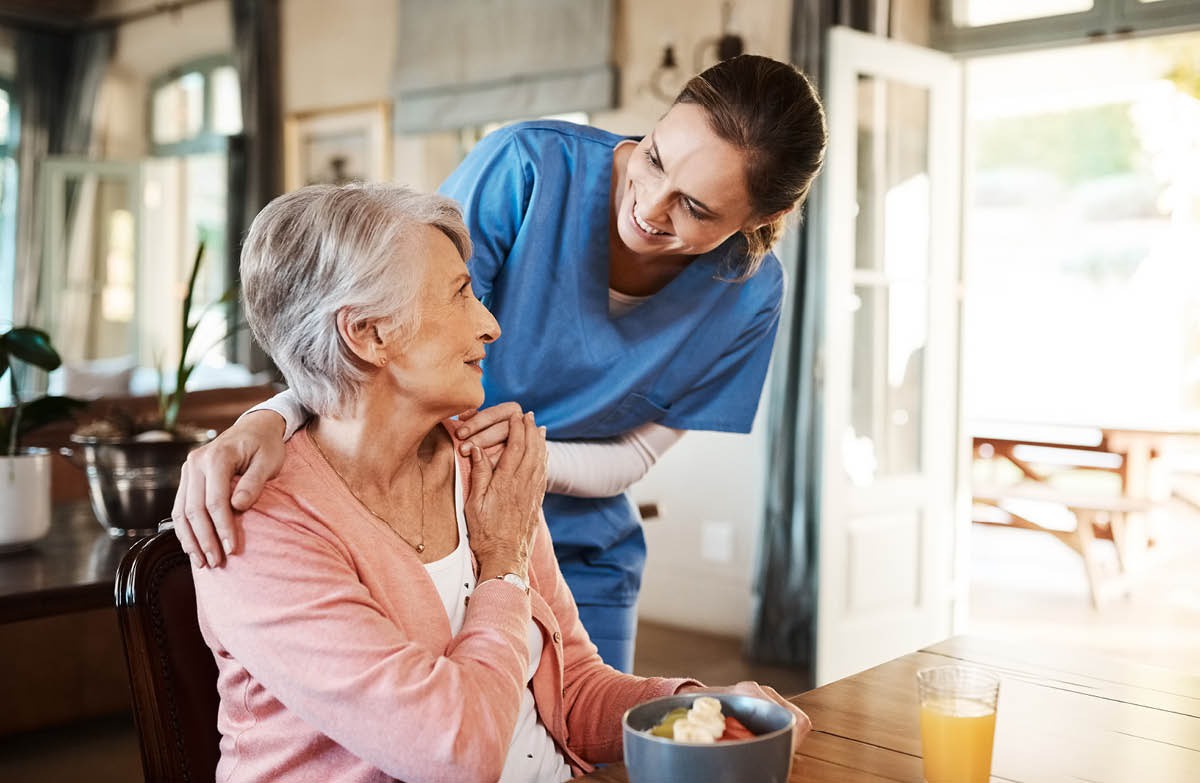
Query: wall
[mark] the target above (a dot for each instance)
(336, 59)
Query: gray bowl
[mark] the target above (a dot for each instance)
(765, 758)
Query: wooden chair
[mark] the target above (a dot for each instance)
(171, 671)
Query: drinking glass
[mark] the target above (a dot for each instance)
(958, 722)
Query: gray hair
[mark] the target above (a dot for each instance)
(324, 248)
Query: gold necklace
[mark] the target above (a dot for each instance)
(420, 545)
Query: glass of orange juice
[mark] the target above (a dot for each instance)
(958, 721)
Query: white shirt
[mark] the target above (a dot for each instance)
(532, 755)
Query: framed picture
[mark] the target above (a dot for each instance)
(345, 144)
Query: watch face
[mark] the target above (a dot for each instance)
(513, 579)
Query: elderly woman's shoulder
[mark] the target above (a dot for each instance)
(300, 493)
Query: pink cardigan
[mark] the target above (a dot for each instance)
(336, 661)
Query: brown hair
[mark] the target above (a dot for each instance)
(772, 112)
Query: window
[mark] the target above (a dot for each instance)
(8, 200)
(989, 25)
(1083, 287)
(193, 109)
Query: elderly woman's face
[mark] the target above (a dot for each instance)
(440, 363)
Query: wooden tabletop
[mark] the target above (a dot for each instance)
(1063, 716)
(70, 570)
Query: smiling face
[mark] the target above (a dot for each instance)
(683, 191)
(439, 363)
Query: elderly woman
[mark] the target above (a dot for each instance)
(398, 611)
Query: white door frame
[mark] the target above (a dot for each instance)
(866, 530)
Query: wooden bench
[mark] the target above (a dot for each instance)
(1094, 517)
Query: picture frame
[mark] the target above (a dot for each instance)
(338, 145)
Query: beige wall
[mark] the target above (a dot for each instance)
(335, 58)
(642, 29)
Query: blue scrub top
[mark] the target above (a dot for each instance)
(536, 198)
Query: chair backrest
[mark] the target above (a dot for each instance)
(171, 670)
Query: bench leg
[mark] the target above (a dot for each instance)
(1085, 535)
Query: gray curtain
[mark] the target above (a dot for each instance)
(784, 628)
(57, 82)
(255, 156)
(463, 62)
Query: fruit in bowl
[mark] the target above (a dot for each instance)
(703, 722)
(753, 741)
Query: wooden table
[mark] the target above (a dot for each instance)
(1063, 716)
(60, 652)
(70, 570)
(1138, 451)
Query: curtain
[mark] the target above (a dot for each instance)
(255, 156)
(785, 594)
(463, 62)
(57, 82)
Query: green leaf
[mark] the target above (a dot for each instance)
(32, 346)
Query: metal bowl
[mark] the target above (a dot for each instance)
(765, 758)
(132, 483)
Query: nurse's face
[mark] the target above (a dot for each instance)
(684, 189)
(440, 363)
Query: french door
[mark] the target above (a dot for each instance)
(890, 452)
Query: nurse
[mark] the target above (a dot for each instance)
(639, 299)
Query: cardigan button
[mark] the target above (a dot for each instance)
(557, 637)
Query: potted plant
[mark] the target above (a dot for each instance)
(25, 472)
(132, 462)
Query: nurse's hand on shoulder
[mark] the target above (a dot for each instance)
(748, 688)
(486, 428)
(503, 508)
(205, 513)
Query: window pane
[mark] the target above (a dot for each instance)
(3, 117)
(1083, 285)
(226, 101)
(204, 193)
(178, 108)
(887, 381)
(977, 13)
(892, 223)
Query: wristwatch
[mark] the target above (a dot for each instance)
(514, 579)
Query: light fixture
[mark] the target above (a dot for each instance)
(665, 78)
(726, 45)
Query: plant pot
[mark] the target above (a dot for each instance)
(132, 483)
(24, 499)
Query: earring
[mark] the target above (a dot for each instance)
(382, 362)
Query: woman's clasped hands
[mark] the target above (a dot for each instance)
(503, 507)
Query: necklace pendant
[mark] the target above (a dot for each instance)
(420, 548)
